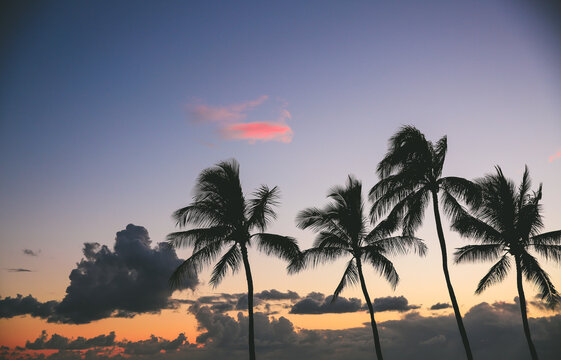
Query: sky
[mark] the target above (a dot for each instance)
(110, 110)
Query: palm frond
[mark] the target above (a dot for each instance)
(383, 266)
(200, 213)
(319, 220)
(415, 214)
(231, 259)
(406, 147)
(198, 237)
(461, 189)
(400, 245)
(194, 263)
(534, 273)
(350, 277)
(480, 252)
(284, 247)
(469, 226)
(452, 208)
(329, 239)
(549, 252)
(496, 274)
(548, 238)
(261, 207)
(524, 187)
(439, 154)
(315, 256)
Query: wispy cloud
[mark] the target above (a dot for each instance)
(19, 270)
(232, 124)
(31, 252)
(234, 112)
(555, 156)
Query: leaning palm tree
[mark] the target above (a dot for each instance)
(410, 174)
(224, 219)
(505, 225)
(342, 230)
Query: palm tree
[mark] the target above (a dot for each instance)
(342, 230)
(410, 174)
(223, 218)
(507, 223)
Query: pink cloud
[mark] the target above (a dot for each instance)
(234, 112)
(262, 131)
(555, 156)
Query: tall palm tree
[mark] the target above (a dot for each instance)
(224, 219)
(410, 175)
(505, 225)
(342, 230)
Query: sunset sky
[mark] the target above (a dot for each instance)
(109, 111)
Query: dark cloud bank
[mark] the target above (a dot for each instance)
(128, 280)
(495, 332)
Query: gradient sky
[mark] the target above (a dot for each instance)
(109, 110)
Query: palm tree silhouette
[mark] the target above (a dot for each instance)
(410, 174)
(223, 218)
(507, 224)
(342, 230)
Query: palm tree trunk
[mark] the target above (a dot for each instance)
(249, 302)
(522, 299)
(447, 276)
(377, 346)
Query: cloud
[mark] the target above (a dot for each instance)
(258, 131)
(440, 306)
(495, 333)
(128, 280)
(232, 124)
(58, 342)
(10, 307)
(19, 270)
(31, 252)
(153, 345)
(277, 295)
(234, 112)
(555, 156)
(392, 303)
(131, 279)
(316, 303)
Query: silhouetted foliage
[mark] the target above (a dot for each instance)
(410, 174)
(342, 231)
(224, 219)
(505, 225)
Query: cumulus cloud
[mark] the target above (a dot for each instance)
(31, 252)
(392, 303)
(316, 303)
(232, 124)
(128, 280)
(131, 279)
(440, 306)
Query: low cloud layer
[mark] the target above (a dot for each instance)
(128, 280)
(495, 332)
